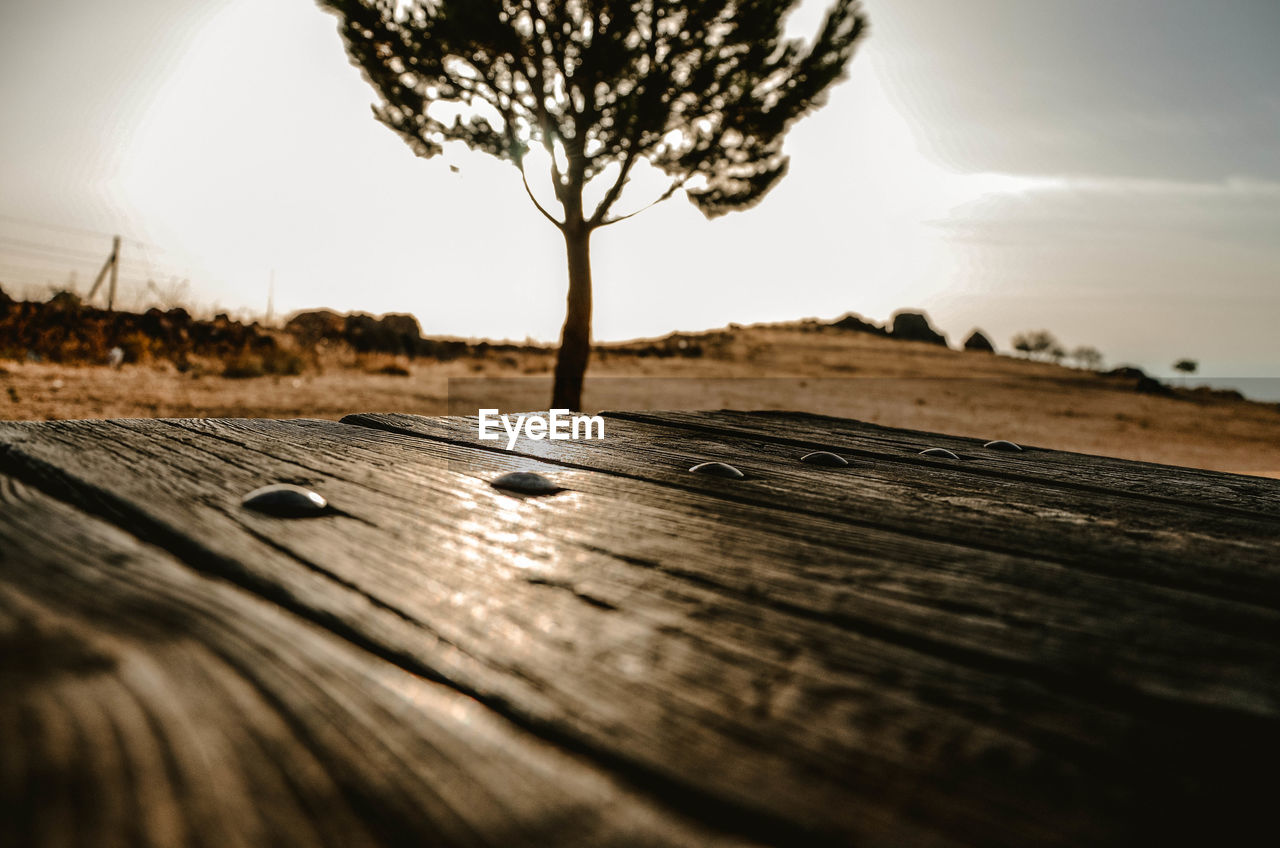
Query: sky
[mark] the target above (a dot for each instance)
(1106, 169)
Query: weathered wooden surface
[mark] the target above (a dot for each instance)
(147, 704)
(1012, 649)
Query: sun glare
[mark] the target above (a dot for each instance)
(243, 189)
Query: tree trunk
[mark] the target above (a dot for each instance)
(575, 338)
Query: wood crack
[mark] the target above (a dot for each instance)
(961, 468)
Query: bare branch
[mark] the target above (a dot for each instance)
(525, 179)
(615, 190)
(666, 195)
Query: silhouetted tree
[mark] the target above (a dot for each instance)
(704, 91)
(1040, 342)
(1186, 366)
(1087, 357)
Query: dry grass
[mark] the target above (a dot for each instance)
(854, 375)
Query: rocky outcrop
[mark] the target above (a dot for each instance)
(979, 342)
(856, 323)
(395, 333)
(398, 334)
(316, 325)
(1126, 372)
(915, 327)
(1152, 386)
(402, 324)
(1141, 381)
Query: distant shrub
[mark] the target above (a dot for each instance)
(1087, 357)
(281, 362)
(137, 347)
(244, 366)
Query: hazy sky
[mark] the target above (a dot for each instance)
(1108, 169)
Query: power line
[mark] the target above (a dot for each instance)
(43, 244)
(59, 227)
(15, 273)
(37, 269)
(66, 229)
(49, 253)
(151, 266)
(61, 256)
(46, 257)
(9, 279)
(62, 250)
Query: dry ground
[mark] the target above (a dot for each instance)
(834, 372)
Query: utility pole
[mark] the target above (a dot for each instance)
(113, 265)
(115, 273)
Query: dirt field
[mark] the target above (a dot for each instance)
(902, 384)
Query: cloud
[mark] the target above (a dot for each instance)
(1156, 212)
(1154, 89)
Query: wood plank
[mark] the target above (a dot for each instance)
(147, 705)
(791, 724)
(1005, 612)
(1192, 487)
(1235, 555)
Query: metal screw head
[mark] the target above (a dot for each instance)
(525, 483)
(718, 469)
(941, 453)
(825, 458)
(285, 500)
(1002, 445)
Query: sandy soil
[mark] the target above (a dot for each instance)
(834, 372)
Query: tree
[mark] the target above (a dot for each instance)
(1038, 342)
(1087, 357)
(703, 90)
(1186, 366)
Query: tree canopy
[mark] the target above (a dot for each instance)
(1038, 342)
(704, 91)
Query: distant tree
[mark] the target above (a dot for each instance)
(1038, 343)
(1056, 352)
(1087, 357)
(704, 90)
(1186, 366)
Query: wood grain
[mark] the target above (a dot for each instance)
(1001, 607)
(147, 705)
(1235, 554)
(779, 671)
(1192, 487)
